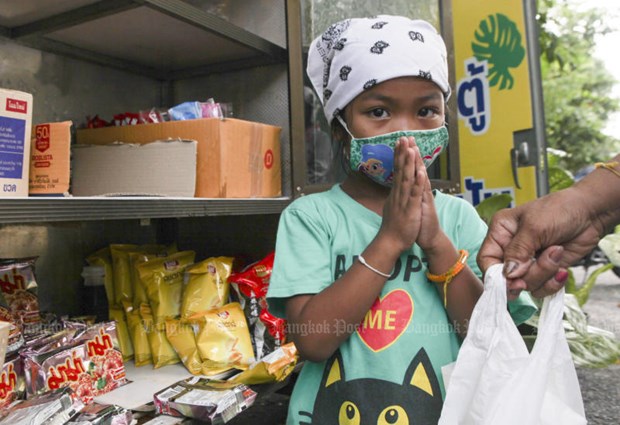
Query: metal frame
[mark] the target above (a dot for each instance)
(453, 183)
(296, 90)
(50, 209)
(33, 35)
(538, 107)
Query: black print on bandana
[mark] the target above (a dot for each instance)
(426, 75)
(326, 74)
(327, 93)
(337, 112)
(379, 47)
(370, 84)
(344, 72)
(332, 35)
(416, 36)
(379, 25)
(339, 45)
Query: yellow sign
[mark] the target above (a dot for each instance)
(493, 96)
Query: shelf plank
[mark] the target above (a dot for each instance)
(157, 38)
(64, 209)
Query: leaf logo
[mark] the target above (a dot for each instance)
(499, 42)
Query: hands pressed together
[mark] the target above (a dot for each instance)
(409, 214)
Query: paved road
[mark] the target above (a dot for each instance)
(600, 387)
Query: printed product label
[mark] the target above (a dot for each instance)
(15, 105)
(12, 132)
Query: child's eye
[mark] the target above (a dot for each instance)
(428, 112)
(378, 113)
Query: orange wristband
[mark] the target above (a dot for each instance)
(447, 277)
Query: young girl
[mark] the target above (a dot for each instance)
(377, 276)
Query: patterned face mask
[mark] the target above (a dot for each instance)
(374, 156)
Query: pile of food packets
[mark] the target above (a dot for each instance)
(183, 111)
(165, 308)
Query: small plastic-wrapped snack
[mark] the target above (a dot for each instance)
(52, 407)
(212, 401)
(274, 367)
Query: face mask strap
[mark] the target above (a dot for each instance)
(344, 125)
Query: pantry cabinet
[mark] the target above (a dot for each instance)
(87, 57)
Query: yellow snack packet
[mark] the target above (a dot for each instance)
(206, 285)
(163, 280)
(223, 338)
(181, 337)
(122, 331)
(161, 350)
(143, 254)
(274, 367)
(103, 258)
(122, 277)
(139, 338)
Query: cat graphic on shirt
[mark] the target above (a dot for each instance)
(417, 400)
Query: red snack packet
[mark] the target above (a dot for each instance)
(96, 122)
(90, 365)
(251, 285)
(19, 287)
(12, 381)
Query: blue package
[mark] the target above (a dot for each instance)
(185, 111)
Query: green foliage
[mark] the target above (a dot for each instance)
(559, 178)
(576, 85)
(491, 205)
(582, 292)
(590, 346)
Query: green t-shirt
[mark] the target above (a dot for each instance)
(390, 367)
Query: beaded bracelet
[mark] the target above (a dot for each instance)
(608, 166)
(447, 277)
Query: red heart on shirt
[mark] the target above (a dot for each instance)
(386, 320)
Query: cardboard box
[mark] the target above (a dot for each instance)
(15, 128)
(236, 158)
(160, 168)
(50, 159)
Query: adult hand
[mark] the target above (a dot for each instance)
(536, 239)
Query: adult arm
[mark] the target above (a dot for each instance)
(556, 230)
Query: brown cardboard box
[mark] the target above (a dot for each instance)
(236, 158)
(15, 128)
(160, 168)
(50, 159)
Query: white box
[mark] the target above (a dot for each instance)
(160, 168)
(15, 128)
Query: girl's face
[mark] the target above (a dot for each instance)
(405, 103)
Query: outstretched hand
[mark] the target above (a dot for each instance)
(536, 241)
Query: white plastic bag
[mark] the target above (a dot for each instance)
(496, 381)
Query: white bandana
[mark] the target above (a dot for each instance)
(355, 54)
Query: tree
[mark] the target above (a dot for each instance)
(576, 85)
